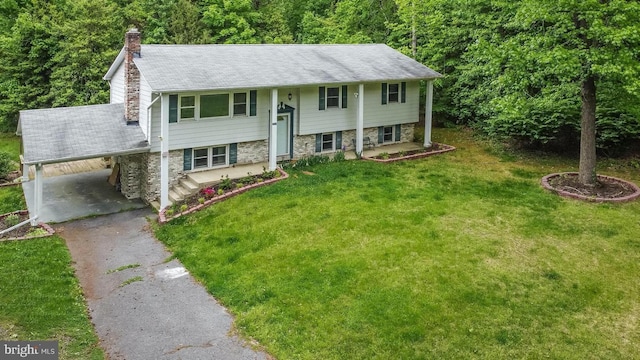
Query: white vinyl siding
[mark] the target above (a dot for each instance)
(215, 131)
(376, 114)
(117, 86)
(314, 121)
(145, 101)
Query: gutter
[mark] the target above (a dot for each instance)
(74, 158)
(149, 118)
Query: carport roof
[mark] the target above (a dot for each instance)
(81, 132)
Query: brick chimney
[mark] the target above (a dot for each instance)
(131, 77)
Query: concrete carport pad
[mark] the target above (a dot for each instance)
(75, 196)
(143, 306)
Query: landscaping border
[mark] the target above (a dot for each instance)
(447, 148)
(42, 225)
(545, 183)
(162, 217)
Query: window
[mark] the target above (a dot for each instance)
(387, 135)
(393, 93)
(333, 97)
(330, 97)
(187, 107)
(239, 104)
(201, 158)
(327, 142)
(209, 157)
(219, 156)
(214, 105)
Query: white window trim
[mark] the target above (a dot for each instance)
(333, 142)
(195, 108)
(389, 93)
(393, 134)
(247, 102)
(196, 111)
(209, 158)
(326, 97)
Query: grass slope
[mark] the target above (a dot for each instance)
(41, 298)
(11, 199)
(457, 256)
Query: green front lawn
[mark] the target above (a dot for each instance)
(41, 298)
(456, 256)
(10, 143)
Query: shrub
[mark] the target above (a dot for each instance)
(339, 156)
(6, 164)
(11, 220)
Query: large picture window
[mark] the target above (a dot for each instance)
(207, 106)
(214, 105)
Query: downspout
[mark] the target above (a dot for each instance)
(149, 118)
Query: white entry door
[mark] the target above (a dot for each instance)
(283, 134)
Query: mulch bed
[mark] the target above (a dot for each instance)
(219, 192)
(11, 179)
(435, 148)
(25, 231)
(607, 189)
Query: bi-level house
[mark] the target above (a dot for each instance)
(188, 108)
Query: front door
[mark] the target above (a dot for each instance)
(283, 134)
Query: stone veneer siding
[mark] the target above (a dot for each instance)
(253, 152)
(140, 174)
(305, 145)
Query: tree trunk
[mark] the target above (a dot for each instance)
(587, 172)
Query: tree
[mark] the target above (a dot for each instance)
(26, 60)
(231, 21)
(603, 38)
(91, 38)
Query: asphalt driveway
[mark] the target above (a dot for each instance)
(142, 305)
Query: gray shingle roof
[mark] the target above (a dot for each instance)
(216, 67)
(82, 132)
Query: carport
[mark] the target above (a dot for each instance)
(58, 135)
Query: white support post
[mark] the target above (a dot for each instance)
(273, 134)
(37, 196)
(164, 152)
(428, 109)
(360, 123)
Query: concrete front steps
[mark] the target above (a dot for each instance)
(187, 186)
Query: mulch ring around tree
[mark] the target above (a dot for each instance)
(23, 232)
(435, 148)
(607, 189)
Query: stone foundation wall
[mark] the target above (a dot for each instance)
(253, 152)
(304, 145)
(140, 174)
(348, 136)
(130, 168)
(407, 134)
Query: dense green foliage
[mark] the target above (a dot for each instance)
(437, 258)
(512, 69)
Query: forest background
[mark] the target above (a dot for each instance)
(512, 69)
